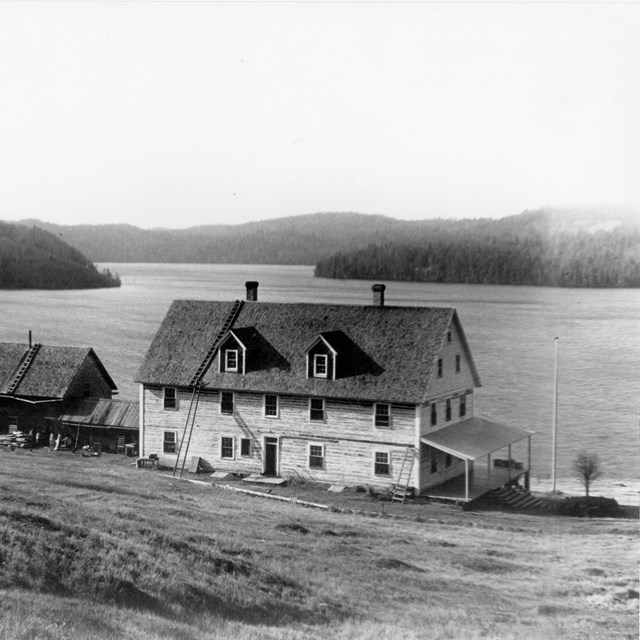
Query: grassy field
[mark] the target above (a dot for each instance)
(93, 548)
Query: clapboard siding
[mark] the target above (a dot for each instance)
(348, 435)
(450, 378)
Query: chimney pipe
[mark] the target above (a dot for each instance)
(378, 295)
(29, 338)
(252, 290)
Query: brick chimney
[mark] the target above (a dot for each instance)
(378, 295)
(252, 290)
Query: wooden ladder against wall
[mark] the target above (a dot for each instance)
(196, 385)
(22, 369)
(401, 488)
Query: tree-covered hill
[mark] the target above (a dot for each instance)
(561, 247)
(546, 247)
(31, 258)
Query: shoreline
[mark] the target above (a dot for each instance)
(624, 491)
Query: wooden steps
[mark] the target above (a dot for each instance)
(515, 497)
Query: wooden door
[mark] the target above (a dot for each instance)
(270, 457)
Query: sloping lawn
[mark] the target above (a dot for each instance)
(93, 548)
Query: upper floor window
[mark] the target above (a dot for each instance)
(226, 402)
(382, 415)
(448, 460)
(448, 336)
(86, 389)
(169, 398)
(231, 360)
(457, 363)
(434, 414)
(316, 409)
(271, 406)
(320, 365)
(381, 465)
(448, 409)
(439, 367)
(463, 405)
(316, 456)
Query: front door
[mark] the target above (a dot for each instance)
(270, 456)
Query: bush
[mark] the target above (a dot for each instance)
(590, 507)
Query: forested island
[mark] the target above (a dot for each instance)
(31, 258)
(534, 248)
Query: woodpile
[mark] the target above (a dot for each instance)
(17, 439)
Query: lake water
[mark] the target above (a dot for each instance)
(511, 331)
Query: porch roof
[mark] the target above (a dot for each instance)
(475, 438)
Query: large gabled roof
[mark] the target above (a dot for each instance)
(395, 348)
(50, 373)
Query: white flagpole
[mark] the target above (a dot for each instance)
(555, 419)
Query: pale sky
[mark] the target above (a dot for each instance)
(175, 114)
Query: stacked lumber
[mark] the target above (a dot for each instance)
(17, 439)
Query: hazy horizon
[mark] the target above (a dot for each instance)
(180, 114)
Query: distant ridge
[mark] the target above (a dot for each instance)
(32, 258)
(337, 243)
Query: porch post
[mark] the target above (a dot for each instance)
(489, 469)
(509, 460)
(466, 479)
(528, 476)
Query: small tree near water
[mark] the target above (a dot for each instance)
(587, 468)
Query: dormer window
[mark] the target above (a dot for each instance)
(231, 360)
(320, 365)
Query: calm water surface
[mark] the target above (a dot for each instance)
(511, 331)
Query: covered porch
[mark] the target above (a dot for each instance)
(476, 441)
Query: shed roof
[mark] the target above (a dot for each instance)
(397, 348)
(117, 414)
(475, 438)
(50, 373)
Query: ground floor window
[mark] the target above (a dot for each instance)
(245, 447)
(316, 456)
(434, 461)
(463, 405)
(448, 409)
(169, 441)
(226, 447)
(381, 466)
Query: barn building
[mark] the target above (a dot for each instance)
(39, 382)
(374, 395)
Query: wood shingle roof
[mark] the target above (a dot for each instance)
(393, 349)
(49, 375)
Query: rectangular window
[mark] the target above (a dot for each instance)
(226, 402)
(271, 406)
(439, 367)
(434, 461)
(245, 447)
(457, 363)
(86, 390)
(169, 398)
(169, 441)
(447, 460)
(448, 336)
(448, 409)
(463, 405)
(316, 456)
(381, 467)
(316, 409)
(434, 414)
(226, 447)
(382, 415)
(320, 361)
(231, 360)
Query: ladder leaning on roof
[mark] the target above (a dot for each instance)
(196, 384)
(401, 488)
(24, 365)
